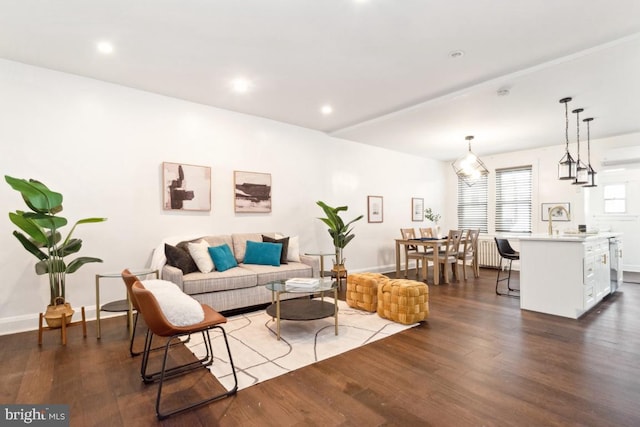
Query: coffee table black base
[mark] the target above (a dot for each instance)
(302, 309)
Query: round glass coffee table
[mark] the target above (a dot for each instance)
(303, 308)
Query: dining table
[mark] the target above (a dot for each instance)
(428, 242)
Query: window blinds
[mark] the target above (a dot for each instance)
(472, 204)
(513, 200)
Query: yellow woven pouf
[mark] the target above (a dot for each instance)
(362, 290)
(403, 301)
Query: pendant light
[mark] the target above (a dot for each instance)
(591, 182)
(566, 165)
(469, 168)
(582, 175)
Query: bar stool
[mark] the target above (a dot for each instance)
(506, 252)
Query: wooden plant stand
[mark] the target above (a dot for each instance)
(63, 328)
(340, 274)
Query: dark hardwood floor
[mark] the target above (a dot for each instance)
(477, 361)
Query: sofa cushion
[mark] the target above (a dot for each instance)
(184, 245)
(179, 258)
(267, 273)
(218, 240)
(293, 250)
(222, 257)
(240, 243)
(263, 253)
(200, 254)
(216, 281)
(285, 246)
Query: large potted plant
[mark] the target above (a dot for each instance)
(339, 232)
(42, 238)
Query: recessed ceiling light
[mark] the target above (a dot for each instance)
(456, 54)
(241, 85)
(105, 47)
(326, 109)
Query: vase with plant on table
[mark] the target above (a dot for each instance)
(341, 234)
(42, 238)
(435, 219)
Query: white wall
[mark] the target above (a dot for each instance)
(627, 147)
(102, 146)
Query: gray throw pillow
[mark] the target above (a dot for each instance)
(179, 258)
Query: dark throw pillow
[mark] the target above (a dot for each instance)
(179, 258)
(285, 246)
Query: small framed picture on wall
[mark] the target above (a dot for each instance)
(417, 209)
(374, 208)
(559, 211)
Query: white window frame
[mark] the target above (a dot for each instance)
(514, 199)
(618, 197)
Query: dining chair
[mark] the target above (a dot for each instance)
(426, 232)
(449, 255)
(412, 251)
(468, 255)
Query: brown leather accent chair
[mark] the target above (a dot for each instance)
(148, 306)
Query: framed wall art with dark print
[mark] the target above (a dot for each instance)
(252, 192)
(186, 187)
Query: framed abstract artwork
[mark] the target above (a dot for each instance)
(252, 192)
(374, 208)
(417, 209)
(186, 187)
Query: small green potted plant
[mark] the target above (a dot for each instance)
(434, 218)
(42, 238)
(338, 230)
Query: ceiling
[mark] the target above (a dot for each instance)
(385, 66)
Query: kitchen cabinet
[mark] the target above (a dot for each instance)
(564, 275)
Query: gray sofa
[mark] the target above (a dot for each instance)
(241, 286)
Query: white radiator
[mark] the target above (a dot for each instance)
(488, 255)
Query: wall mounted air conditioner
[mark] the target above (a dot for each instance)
(621, 157)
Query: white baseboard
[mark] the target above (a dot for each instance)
(29, 322)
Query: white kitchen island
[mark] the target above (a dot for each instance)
(566, 274)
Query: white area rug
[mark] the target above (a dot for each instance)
(259, 356)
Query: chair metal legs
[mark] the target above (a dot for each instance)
(167, 373)
(508, 279)
(176, 370)
(133, 337)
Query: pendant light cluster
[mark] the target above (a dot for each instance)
(576, 170)
(469, 168)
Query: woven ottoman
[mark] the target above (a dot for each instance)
(362, 290)
(403, 301)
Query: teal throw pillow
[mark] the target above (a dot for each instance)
(285, 247)
(222, 257)
(263, 253)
